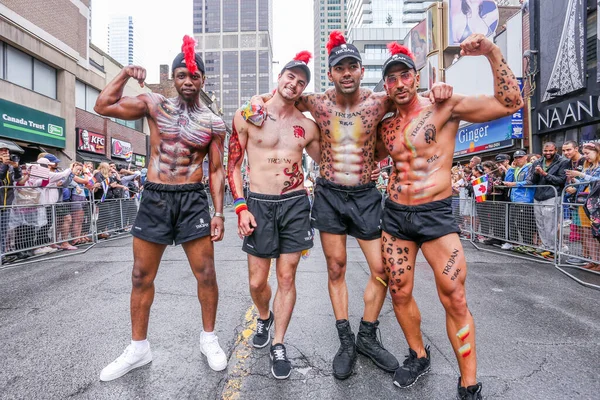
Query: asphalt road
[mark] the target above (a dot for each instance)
(63, 320)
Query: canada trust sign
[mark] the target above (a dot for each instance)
(564, 115)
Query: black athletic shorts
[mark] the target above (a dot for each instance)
(282, 224)
(420, 223)
(352, 210)
(172, 214)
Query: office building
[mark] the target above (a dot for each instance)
(329, 15)
(123, 45)
(235, 39)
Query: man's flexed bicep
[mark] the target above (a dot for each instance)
(237, 148)
(507, 96)
(112, 103)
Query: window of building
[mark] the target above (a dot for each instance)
(230, 17)
(375, 49)
(1, 60)
(591, 40)
(19, 68)
(213, 16)
(230, 41)
(44, 79)
(248, 75)
(248, 19)
(263, 9)
(22, 69)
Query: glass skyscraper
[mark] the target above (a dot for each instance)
(329, 15)
(123, 45)
(235, 39)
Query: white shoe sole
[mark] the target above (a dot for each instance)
(213, 366)
(110, 377)
(273, 372)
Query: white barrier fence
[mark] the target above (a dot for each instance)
(556, 231)
(29, 228)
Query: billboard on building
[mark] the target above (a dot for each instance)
(91, 141)
(418, 43)
(482, 137)
(563, 40)
(466, 17)
(121, 149)
(433, 39)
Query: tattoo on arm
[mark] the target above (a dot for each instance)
(507, 87)
(235, 159)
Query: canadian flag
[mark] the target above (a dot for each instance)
(480, 186)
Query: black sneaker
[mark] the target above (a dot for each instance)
(368, 345)
(344, 360)
(263, 331)
(472, 392)
(412, 369)
(281, 367)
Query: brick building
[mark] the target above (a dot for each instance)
(50, 77)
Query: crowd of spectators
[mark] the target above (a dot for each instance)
(524, 193)
(45, 209)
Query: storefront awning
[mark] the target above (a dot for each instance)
(83, 156)
(12, 146)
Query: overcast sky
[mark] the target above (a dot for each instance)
(162, 24)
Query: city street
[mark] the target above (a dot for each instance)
(63, 320)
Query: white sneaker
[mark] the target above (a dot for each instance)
(209, 346)
(506, 246)
(130, 359)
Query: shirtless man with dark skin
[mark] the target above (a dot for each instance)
(346, 200)
(420, 139)
(276, 221)
(174, 207)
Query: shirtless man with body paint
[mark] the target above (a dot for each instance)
(174, 206)
(275, 223)
(346, 200)
(420, 139)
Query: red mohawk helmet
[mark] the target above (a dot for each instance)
(400, 55)
(338, 49)
(188, 58)
(336, 38)
(300, 61)
(396, 48)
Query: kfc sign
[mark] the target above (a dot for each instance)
(90, 141)
(121, 149)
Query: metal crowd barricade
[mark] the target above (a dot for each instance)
(30, 229)
(517, 225)
(578, 247)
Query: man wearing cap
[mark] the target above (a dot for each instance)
(174, 207)
(420, 139)
(498, 197)
(346, 201)
(10, 173)
(521, 218)
(275, 221)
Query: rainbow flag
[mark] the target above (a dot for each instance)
(480, 186)
(105, 186)
(129, 156)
